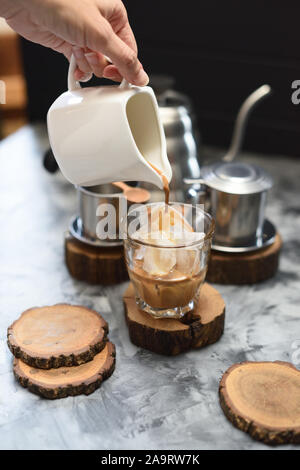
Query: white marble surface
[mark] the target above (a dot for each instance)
(151, 401)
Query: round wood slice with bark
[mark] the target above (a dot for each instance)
(67, 381)
(95, 265)
(244, 268)
(263, 399)
(203, 326)
(57, 335)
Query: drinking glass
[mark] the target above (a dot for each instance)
(167, 265)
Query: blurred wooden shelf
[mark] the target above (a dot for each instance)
(13, 112)
(15, 92)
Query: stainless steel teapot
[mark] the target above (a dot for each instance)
(182, 135)
(233, 192)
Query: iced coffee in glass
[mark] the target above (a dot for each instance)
(167, 249)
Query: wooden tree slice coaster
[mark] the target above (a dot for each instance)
(172, 336)
(59, 335)
(244, 268)
(67, 381)
(95, 265)
(263, 399)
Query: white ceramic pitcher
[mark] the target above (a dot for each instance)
(107, 133)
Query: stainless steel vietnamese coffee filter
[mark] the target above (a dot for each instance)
(237, 195)
(93, 203)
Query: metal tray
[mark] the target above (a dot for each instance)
(75, 229)
(267, 238)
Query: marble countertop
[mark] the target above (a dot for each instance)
(151, 401)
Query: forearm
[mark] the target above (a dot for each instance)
(8, 7)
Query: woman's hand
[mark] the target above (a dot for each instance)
(90, 29)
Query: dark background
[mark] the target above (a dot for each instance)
(219, 52)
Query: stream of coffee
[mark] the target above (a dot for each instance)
(165, 183)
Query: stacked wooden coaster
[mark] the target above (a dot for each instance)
(61, 350)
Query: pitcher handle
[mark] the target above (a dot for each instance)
(75, 85)
(124, 84)
(72, 83)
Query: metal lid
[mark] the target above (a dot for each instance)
(236, 178)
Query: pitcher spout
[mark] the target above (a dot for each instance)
(150, 173)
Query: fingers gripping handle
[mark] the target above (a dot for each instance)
(75, 85)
